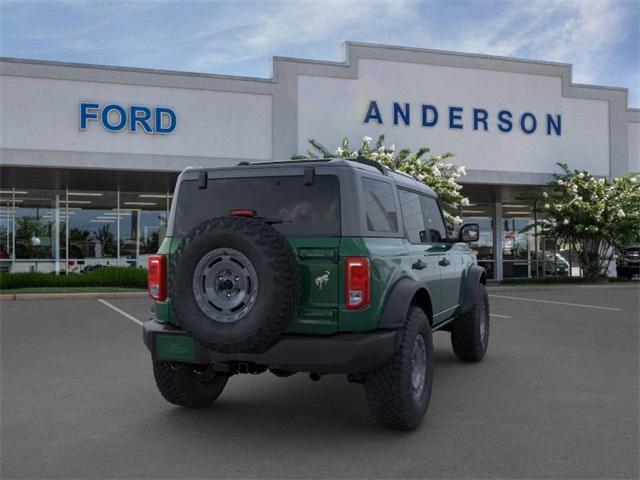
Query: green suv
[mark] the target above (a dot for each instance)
(327, 266)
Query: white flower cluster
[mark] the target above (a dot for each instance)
(593, 214)
(433, 170)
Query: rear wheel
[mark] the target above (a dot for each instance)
(187, 385)
(398, 393)
(470, 331)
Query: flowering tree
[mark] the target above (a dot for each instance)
(593, 215)
(433, 170)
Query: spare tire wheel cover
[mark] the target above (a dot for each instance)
(234, 284)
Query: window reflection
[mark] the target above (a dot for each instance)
(518, 239)
(482, 214)
(73, 231)
(92, 230)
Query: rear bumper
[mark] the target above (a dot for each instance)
(339, 353)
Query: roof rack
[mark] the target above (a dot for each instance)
(360, 159)
(371, 163)
(280, 162)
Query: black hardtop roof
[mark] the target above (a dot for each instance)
(370, 166)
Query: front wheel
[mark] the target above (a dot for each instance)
(470, 331)
(187, 385)
(398, 393)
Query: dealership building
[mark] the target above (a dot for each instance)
(90, 154)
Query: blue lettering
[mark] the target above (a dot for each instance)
(505, 124)
(139, 115)
(425, 115)
(480, 116)
(105, 118)
(455, 113)
(523, 123)
(399, 112)
(86, 114)
(373, 112)
(162, 112)
(556, 125)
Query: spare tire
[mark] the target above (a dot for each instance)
(234, 284)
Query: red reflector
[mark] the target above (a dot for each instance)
(241, 212)
(157, 277)
(358, 283)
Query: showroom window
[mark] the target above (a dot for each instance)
(518, 240)
(77, 230)
(482, 214)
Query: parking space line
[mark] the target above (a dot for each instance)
(121, 312)
(557, 303)
(499, 316)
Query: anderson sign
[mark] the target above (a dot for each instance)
(461, 118)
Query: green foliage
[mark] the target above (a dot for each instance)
(101, 277)
(434, 171)
(28, 228)
(592, 214)
(105, 237)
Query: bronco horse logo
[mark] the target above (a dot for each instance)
(321, 280)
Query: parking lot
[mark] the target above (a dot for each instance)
(556, 397)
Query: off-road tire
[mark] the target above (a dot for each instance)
(467, 337)
(182, 384)
(278, 278)
(389, 390)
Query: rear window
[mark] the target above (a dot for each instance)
(305, 210)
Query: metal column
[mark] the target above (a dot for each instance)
(497, 238)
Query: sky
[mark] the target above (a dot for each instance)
(601, 38)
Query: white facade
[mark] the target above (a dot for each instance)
(224, 119)
(583, 140)
(109, 141)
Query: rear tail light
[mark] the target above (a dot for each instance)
(358, 282)
(242, 212)
(157, 279)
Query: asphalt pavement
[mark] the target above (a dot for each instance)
(556, 397)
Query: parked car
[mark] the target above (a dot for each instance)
(554, 264)
(5, 262)
(628, 263)
(327, 266)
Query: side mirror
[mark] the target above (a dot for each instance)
(469, 232)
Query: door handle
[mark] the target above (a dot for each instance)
(444, 262)
(419, 265)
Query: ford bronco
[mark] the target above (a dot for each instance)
(319, 266)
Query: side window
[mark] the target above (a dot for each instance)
(379, 206)
(433, 219)
(412, 216)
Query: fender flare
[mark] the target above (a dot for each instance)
(475, 276)
(397, 307)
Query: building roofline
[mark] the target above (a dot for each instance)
(346, 63)
(117, 68)
(454, 52)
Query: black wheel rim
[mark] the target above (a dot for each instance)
(225, 285)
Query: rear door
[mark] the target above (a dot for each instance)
(444, 253)
(318, 261)
(423, 262)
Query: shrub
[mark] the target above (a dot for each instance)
(102, 277)
(563, 281)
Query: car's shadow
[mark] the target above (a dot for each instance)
(294, 406)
